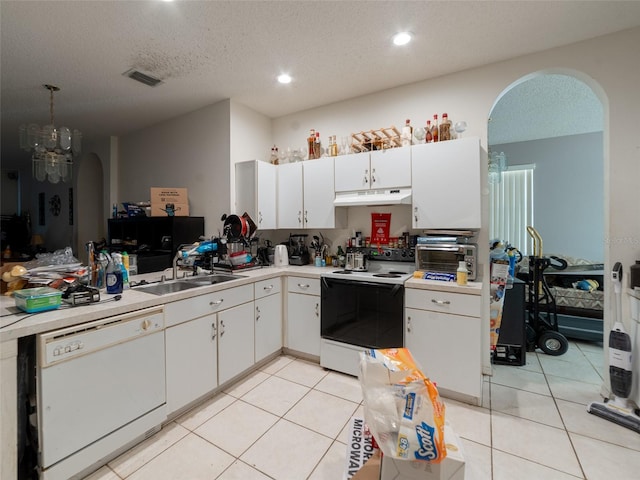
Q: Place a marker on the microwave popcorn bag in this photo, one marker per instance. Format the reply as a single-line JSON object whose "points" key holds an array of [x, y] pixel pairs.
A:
{"points": [[402, 406]]}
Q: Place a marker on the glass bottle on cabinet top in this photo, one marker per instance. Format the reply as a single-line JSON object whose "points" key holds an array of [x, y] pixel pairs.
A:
{"points": [[317, 147], [434, 128], [445, 128], [311, 140], [407, 133], [428, 136]]}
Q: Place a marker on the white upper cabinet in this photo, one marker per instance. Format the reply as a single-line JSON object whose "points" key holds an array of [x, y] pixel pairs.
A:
{"points": [[380, 169], [353, 172], [446, 186], [305, 194], [319, 193], [290, 199], [256, 192]]}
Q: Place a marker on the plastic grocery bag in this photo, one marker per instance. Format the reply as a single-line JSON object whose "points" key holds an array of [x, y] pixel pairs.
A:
{"points": [[402, 407]]}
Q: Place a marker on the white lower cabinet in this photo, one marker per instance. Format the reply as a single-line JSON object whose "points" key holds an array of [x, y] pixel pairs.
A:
{"points": [[268, 318], [445, 339], [208, 340], [191, 361], [235, 341], [303, 315]]}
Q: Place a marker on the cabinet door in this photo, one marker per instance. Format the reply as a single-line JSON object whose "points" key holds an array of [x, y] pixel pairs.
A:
{"points": [[256, 192], [445, 178], [268, 328], [448, 348], [352, 172], [319, 194], [190, 361], [266, 208], [235, 341], [391, 168], [290, 195], [303, 323]]}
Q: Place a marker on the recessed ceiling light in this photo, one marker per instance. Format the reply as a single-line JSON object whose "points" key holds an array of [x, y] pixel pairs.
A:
{"points": [[284, 78], [401, 38]]}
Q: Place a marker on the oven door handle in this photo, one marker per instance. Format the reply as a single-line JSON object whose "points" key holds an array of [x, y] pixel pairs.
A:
{"points": [[331, 282]]}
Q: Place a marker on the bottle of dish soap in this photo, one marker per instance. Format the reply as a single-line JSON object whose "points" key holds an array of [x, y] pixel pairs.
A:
{"points": [[461, 273], [114, 277]]}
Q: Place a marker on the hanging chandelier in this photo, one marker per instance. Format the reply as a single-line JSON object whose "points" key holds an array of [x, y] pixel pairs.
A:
{"points": [[52, 148]]}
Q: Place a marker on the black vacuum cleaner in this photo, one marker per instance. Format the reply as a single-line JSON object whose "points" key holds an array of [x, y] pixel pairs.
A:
{"points": [[619, 409]]}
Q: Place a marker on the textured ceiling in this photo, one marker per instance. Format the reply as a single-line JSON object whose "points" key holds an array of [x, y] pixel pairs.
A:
{"points": [[206, 51], [545, 106]]}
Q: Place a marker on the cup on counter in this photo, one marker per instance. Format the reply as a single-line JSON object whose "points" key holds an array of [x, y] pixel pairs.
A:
{"points": [[133, 264]]}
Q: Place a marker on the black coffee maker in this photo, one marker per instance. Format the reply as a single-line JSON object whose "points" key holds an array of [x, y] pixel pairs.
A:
{"points": [[298, 250]]}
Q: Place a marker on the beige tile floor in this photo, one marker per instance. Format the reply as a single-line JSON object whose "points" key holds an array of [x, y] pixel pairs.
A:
{"points": [[288, 421]]}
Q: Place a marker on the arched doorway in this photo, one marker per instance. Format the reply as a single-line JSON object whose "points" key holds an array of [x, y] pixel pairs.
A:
{"points": [[553, 123]]}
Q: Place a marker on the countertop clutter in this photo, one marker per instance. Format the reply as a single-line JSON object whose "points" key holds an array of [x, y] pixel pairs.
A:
{"points": [[131, 299]]}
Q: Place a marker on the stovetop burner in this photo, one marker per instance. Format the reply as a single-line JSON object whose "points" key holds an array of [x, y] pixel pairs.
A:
{"points": [[342, 272], [387, 275]]}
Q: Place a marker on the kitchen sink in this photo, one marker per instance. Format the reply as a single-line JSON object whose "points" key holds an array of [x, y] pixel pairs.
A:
{"points": [[212, 279], [186, 283], [164, 288]]}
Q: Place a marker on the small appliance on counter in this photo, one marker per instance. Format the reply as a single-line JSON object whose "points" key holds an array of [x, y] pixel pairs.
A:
{"points": [[443, 252], [298, 250], [356, 260], [281, 256]]}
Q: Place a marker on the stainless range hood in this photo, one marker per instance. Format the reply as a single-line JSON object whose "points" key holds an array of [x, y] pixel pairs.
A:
{"points": [[396, 196]]}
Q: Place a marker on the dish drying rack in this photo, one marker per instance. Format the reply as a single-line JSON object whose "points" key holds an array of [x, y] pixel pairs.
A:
{"points": [[378, 139]]}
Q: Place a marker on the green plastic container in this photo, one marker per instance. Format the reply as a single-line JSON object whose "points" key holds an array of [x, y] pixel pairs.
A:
{"points": [[40, 299]]}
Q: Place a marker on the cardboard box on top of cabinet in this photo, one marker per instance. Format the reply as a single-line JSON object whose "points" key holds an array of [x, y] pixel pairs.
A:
{"points": [[451, 467], [169, 202]]}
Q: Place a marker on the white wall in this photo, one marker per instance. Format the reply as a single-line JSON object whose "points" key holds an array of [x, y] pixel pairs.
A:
{"points": [[191, 151], [603, 63], [250, 134]]}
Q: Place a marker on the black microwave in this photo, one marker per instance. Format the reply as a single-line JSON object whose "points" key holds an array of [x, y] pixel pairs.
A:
{"points": [[445, 257]]}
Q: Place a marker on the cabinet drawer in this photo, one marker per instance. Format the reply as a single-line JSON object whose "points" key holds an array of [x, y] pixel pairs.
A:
{"points": [[310, 286], [268, 287], [190, 308], [445, 302]]}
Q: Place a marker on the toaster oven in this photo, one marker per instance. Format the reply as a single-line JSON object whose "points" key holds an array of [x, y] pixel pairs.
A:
{"points": [[445, 257]]}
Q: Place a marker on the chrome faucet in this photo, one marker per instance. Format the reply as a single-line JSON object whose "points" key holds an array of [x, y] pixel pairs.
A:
{"points": [[176, 257]]}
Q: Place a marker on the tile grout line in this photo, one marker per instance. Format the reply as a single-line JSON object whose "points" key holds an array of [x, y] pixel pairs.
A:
{"points": [[555, 402]]}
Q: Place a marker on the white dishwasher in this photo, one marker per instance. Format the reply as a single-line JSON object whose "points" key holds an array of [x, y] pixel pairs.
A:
{"points": [[101, 386]]}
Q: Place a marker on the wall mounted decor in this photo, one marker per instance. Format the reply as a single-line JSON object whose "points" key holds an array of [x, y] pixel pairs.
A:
{"points": [[55, 205]]}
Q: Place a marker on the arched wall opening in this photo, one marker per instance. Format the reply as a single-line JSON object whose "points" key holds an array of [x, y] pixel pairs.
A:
{"points": [[570, 165]]}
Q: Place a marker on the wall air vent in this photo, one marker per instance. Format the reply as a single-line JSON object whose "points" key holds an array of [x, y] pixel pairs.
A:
{"points": [[141, 77]]}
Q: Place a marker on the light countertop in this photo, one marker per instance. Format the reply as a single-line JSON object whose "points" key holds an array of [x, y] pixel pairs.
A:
{"points": [[132, 299], [471, 288]]}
